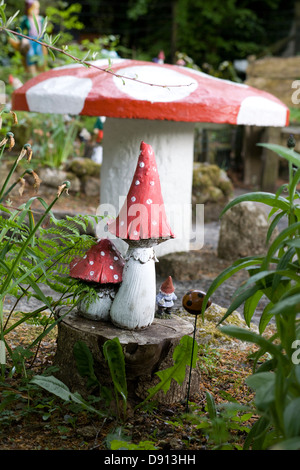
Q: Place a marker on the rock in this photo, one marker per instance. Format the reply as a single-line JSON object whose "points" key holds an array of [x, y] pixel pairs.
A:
{"points": [[212, 187], [243, 231], [186, 266], [53, 177], [90, 185], [209, 333], [84, 166]]}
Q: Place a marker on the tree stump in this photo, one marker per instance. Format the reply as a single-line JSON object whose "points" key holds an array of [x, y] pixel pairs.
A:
{"points": [[146, 351]]}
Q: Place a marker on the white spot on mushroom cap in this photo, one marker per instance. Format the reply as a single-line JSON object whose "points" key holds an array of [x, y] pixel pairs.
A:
{"points": [[157, 76], [261, 112], [70, 91]]}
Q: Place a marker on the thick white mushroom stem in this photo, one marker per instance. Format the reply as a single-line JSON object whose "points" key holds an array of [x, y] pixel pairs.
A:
{"points": [[134, 304]]}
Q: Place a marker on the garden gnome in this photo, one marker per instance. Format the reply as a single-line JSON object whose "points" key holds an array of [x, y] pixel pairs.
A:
{"points": [[165, 297], [143, 224], [32, 51]]}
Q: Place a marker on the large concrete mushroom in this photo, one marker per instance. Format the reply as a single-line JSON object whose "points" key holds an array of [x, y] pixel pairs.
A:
{"points": [[102, 266], [163, 114], [143, 224]]}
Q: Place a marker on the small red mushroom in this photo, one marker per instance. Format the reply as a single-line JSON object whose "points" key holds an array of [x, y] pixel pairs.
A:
{"points": [[102, 263]]}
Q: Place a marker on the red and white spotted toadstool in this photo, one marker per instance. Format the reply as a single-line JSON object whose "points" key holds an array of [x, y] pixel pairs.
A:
{"points": [[164, 114], [143, 224], [103, 265]]}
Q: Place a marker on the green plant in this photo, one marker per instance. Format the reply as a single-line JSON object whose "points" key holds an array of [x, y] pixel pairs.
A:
{"points": [[276, 276], [223, 425], [183, 352], [35, 249], [55, 140]]}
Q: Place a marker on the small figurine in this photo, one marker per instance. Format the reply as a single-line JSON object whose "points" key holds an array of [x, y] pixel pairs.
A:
{"points": [[165, 297], [33, 51]]}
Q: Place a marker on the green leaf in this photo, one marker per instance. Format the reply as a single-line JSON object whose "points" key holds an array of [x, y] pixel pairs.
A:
{"points": [[239, 300], [243, 263], [256, 435], [284, 152], [114, 355], [182, 358], [290, 303], [211, 406], [252, 337], [58, 388], [250, 306], [273, 224], [85, 363], [266, 198], [36, 24], [291, 418], [264, 385], [280, 240], [288, 444], [265, 318]]}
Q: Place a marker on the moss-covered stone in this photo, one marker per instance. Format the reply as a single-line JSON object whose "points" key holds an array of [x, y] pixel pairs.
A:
{"points": [[84, 167], [209, 333], [210, 183]]}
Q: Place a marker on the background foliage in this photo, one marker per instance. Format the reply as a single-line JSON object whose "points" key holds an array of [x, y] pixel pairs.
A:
{"points": [[209, 31]]}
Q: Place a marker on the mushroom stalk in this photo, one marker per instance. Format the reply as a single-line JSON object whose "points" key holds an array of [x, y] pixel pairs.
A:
{"points": [[134, 304], [174, 149]]}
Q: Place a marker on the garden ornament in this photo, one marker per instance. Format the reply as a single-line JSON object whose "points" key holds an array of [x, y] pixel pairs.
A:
{"points": [[102, 266], [163, 114], [166, 296], [142, 223], [192, 302], [32, 52]]}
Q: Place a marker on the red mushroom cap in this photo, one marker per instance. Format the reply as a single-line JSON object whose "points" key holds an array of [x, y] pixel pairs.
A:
{"points": [[102, 263], [143, 214], [182, 94]]}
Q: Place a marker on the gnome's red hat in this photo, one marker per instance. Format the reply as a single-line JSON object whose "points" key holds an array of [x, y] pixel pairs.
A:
{"points": [[167, 286], [143, 215]]}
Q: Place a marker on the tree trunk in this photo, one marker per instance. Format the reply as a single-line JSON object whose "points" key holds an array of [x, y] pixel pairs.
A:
{"points": [[146, 351]]}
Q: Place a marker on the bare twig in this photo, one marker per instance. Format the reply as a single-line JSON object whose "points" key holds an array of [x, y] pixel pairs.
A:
{"points": [[86, 63]]}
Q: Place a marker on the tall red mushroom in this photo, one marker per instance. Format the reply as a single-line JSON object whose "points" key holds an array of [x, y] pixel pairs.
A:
{"points": [[102, 264], [142, 223]]}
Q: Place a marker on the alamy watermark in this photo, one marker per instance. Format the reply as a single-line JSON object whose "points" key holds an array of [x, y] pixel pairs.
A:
{"points": [[296, 95], [179, 217], [296, 353], [2, 93]]}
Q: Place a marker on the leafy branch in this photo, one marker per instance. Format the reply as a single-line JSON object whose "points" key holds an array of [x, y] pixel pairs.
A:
{"points": [[49, 43]]}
